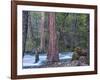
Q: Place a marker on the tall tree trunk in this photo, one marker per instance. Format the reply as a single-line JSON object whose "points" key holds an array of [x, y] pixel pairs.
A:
{"points": [[30, 27], [25, 27], [52, 55], [42, 37]]}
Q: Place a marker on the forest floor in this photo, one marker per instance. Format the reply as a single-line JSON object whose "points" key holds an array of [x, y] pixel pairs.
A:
{"points": [[62, 63]]}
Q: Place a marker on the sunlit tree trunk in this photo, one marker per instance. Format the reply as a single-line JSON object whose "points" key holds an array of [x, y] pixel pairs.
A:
{"points": [[30, 21], [52, 55], [42, 35]]}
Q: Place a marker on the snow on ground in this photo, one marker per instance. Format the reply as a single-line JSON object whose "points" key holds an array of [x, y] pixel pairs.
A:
{"points": [[29, 60], [65, 56]]}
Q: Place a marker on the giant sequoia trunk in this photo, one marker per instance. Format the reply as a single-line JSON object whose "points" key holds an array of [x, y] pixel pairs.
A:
{"points": [[52, 55], [42, 42], [25, 27]]}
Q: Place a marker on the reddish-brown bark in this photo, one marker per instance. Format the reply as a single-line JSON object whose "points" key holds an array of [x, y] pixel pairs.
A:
{"points": [[52, 55]]}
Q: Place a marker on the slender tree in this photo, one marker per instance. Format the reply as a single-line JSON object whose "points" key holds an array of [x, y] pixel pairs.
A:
{"points": [[25, 27], [42, 35], [52, 55]]}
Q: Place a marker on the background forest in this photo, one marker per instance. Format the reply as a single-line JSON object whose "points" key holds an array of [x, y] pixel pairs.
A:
{"points": [[71, 28], [54, 32]]}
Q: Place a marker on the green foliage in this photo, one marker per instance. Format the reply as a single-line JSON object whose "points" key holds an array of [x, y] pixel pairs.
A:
{"points": [[72, 30]]}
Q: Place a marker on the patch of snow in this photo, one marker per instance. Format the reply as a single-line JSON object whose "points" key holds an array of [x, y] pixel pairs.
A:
{"points": [[32, 64], [67, 55], [29, 60]]}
